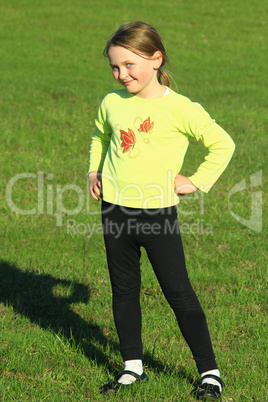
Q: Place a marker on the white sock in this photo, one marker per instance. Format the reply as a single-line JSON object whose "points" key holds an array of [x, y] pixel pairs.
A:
{"points": [[211, 380], [132, 365]]}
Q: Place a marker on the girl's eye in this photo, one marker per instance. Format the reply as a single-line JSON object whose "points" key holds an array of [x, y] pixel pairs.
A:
{"points": [[129, 64]]}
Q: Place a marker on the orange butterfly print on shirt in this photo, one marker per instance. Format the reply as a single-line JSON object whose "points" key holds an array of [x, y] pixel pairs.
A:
{"points": [[128, 140], [146, 126]]}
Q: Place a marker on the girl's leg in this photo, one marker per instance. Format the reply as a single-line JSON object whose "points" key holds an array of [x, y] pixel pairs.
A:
{"points": [[123, 255], [165, 252]]}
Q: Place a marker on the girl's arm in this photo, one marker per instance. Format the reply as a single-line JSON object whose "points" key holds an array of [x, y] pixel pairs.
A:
{"points": [[221, 148], [98, 150]]}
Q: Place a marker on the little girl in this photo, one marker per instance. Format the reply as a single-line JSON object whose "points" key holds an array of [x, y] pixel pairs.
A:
{"points": [[137, 150]]}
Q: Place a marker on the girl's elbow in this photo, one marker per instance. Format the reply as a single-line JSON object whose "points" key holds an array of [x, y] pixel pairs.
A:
{"points": [[229, 144]]}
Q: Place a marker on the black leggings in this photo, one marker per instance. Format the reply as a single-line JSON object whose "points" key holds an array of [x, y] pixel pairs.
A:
{"points": [[125, 231]]}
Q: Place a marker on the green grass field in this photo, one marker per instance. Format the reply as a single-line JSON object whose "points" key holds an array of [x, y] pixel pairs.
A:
{"points": [[57, 336]]}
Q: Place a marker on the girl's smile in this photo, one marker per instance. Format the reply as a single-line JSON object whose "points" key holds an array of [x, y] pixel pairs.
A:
{"points": [[136, 73], [126, 83]]}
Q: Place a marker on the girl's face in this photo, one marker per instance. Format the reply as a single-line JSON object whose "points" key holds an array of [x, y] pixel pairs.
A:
{"points": [[136, 73]]}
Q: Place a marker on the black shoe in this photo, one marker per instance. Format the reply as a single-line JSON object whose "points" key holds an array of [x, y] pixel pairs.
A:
{"points": [[114, 386], [209, 392]]}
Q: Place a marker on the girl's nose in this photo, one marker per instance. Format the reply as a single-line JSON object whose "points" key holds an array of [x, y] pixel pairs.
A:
{"points": [[122, 74]]}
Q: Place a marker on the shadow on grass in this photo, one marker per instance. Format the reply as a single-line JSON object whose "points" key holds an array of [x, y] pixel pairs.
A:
{"points": [[39, 298], [34, 296]]}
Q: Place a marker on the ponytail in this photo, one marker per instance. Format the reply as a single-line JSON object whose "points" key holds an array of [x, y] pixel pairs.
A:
{"points": [[163, 78]]}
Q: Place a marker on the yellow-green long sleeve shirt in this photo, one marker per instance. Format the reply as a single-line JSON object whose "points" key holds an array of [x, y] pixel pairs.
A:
{"points": [[139, 146]]}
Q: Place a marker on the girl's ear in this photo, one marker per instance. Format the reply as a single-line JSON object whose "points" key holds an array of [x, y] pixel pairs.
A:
{"points": [[158, 59]]}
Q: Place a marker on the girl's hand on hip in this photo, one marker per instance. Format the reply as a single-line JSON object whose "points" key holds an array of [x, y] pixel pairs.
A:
{"points": [[95, 186], [183, 185]]}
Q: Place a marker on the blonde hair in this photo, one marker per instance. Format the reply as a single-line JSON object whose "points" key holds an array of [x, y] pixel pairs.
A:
{"points": [[142, 39]]}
